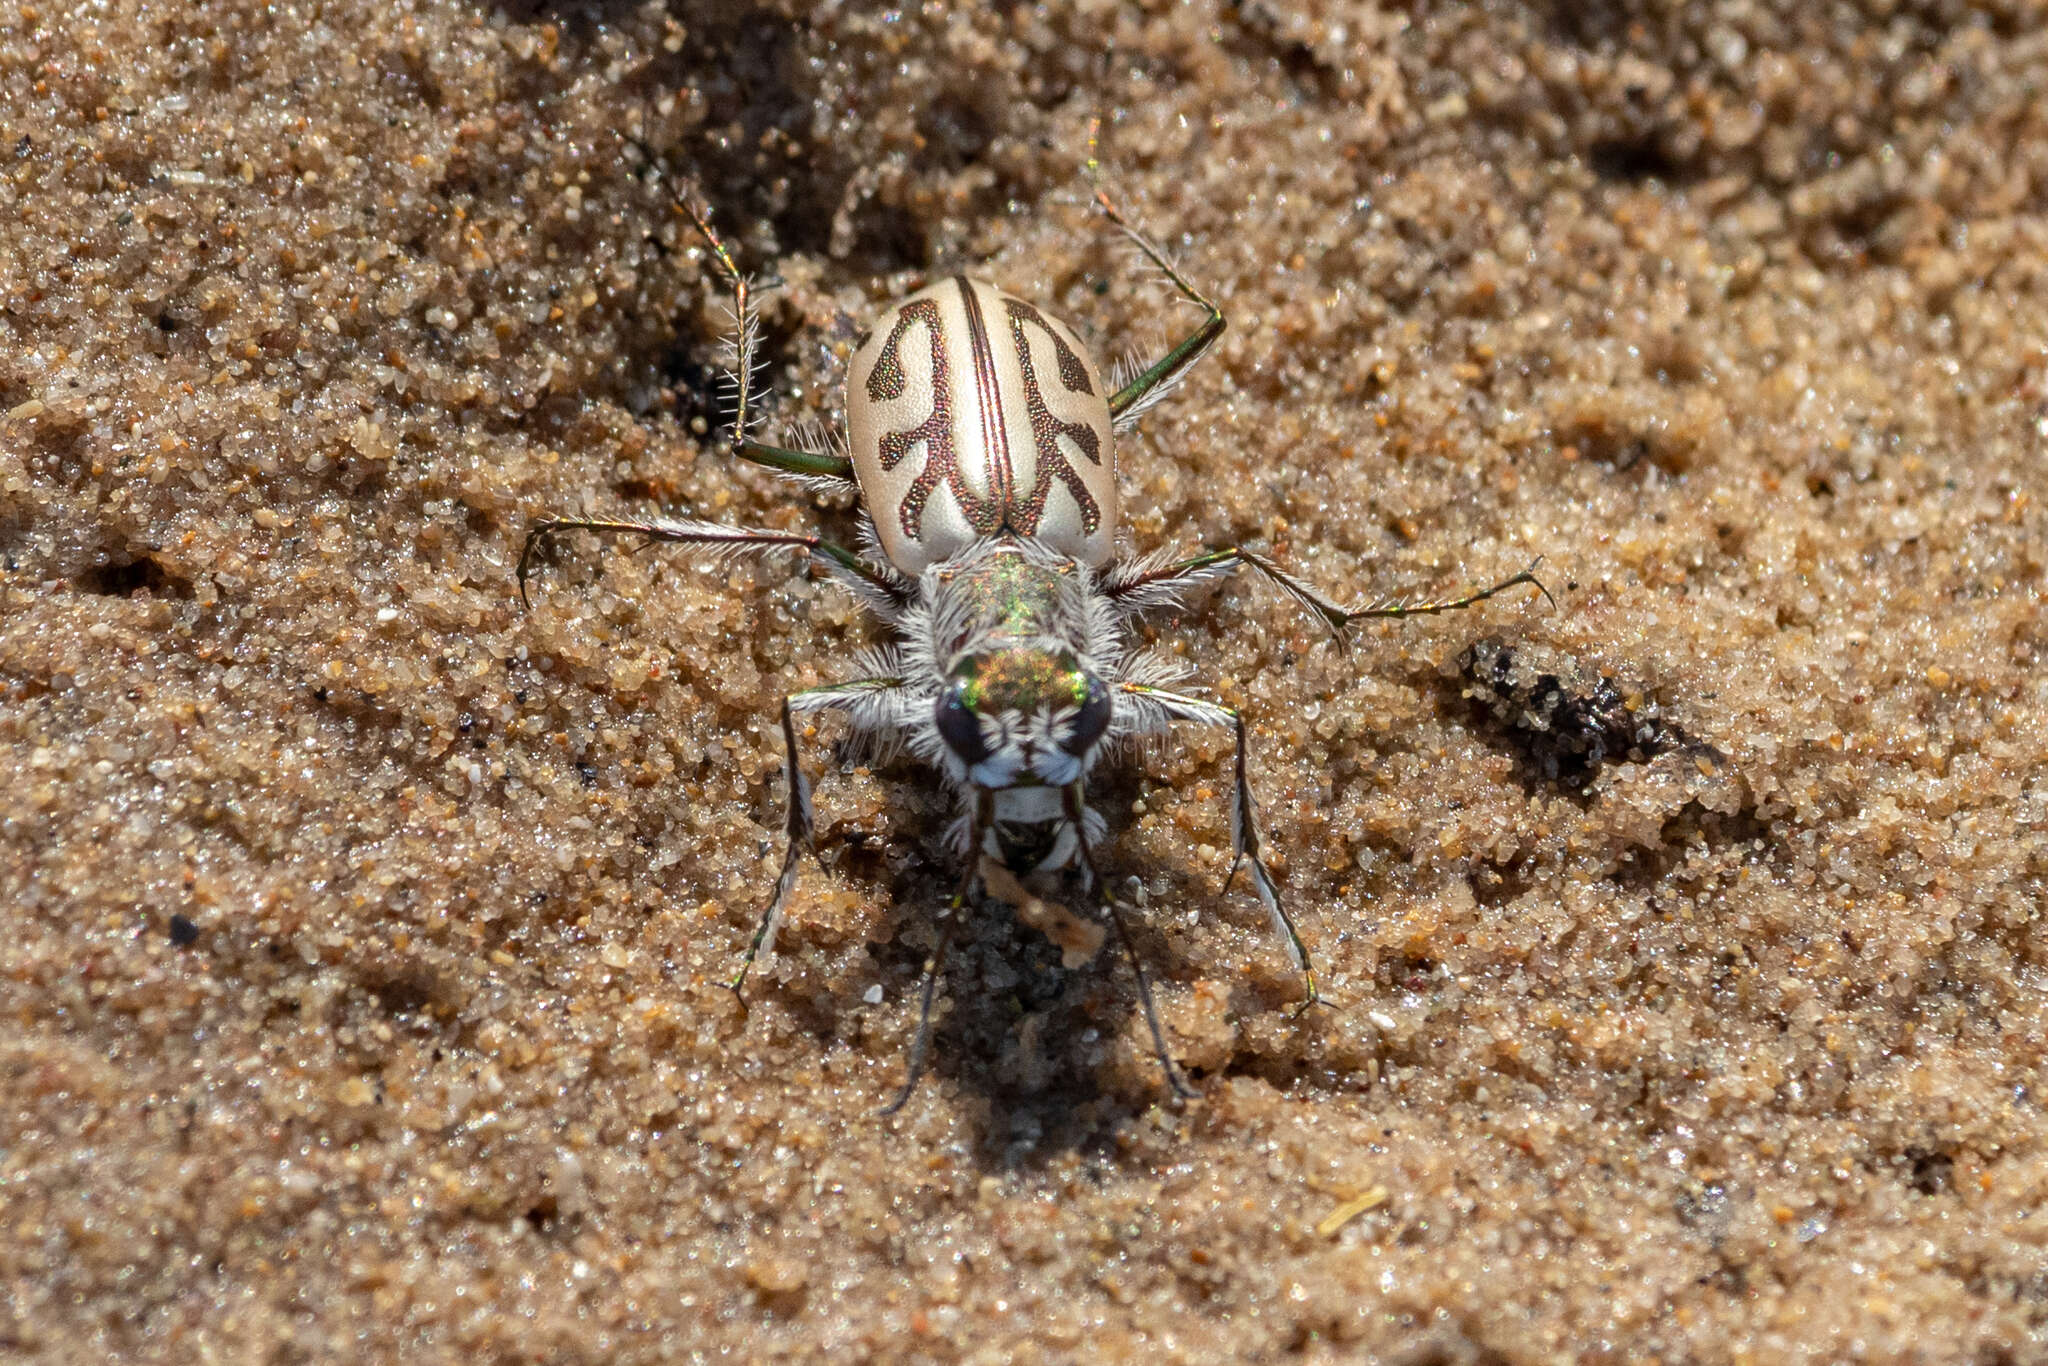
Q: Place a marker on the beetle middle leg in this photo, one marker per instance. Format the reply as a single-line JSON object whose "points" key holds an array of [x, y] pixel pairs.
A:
{"points": [[1141, 587], [880, 587], [1158, 379]]}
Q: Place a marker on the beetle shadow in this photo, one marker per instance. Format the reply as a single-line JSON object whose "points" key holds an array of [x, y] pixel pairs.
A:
{"points": [[1022, 1037], [1023, 1040]]}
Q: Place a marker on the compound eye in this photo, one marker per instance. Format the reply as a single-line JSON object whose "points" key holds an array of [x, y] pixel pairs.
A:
{"points": [[1092, 721], [959, 727]]}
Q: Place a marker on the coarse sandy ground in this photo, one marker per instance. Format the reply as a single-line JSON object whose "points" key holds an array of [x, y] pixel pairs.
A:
{"points": [[363, 931]]}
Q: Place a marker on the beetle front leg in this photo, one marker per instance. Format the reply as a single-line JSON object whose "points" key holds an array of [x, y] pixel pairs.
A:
{"points": [[796, 833], [884, 589], [797, 821], [1245, 842], [1140, 588], [1158, 379]]}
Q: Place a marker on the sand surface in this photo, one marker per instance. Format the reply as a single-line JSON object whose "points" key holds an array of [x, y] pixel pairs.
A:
{"points": [[363, 932]]}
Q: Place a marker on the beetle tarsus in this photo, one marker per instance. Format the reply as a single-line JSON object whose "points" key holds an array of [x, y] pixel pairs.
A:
{"points": [[809, 466], [1155, 381], [1145, 588]]}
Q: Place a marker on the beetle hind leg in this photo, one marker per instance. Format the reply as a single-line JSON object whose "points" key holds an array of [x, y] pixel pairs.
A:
{"points": [[1155, 381], [827, 469]]}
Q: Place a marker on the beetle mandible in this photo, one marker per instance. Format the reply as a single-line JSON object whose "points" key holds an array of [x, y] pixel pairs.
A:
{"points": [[980, 447]]}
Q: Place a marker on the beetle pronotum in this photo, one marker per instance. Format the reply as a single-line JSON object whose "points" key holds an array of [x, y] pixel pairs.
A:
{"points": [[980, 444]]}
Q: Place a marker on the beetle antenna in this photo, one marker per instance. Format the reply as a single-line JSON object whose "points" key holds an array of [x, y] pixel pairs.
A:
{"points": [[920, 1046]]}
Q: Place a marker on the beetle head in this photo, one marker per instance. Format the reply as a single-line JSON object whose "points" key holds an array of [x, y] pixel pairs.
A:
{"points": [[1022, 714]]}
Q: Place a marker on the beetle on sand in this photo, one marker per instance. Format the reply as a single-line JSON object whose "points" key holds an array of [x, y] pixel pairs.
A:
{"points": [[979, 440]]}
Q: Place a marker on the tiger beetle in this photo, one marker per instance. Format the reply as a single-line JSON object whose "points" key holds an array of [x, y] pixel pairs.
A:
{"points": [[979, 444]]}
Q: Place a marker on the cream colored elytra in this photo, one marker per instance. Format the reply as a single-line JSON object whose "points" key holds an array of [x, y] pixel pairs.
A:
{"points": [[972, 413]]}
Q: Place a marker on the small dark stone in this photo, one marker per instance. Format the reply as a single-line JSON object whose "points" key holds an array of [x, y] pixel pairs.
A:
{"points": [[183, 931], [1932, 1171]]}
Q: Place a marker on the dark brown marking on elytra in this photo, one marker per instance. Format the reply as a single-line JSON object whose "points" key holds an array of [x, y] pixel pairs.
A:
{"points": [[886, 382], [1046, 429]]}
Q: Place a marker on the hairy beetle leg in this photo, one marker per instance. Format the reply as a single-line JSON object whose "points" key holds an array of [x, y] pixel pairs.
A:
{"points": [[1146, 587], [1158, 379], [1245, 840], [883, 588], [819, 466]]}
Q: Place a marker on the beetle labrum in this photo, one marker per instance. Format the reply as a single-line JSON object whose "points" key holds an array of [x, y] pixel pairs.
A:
{"points": [[979, 442]]}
